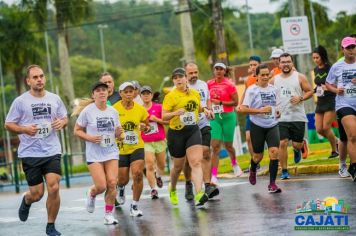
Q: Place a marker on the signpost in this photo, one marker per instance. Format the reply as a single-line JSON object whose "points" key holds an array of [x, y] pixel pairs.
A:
{"points": [[295, 34]]}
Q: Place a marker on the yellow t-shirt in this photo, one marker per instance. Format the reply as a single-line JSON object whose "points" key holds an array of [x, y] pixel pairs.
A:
{"points": [[190, 101], [130, 122]]}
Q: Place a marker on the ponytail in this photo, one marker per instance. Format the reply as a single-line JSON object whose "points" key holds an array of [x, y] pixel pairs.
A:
{"points": [[82, 104]]}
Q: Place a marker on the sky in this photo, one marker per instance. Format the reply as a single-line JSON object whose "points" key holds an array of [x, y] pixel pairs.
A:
{"points": [[259, 6]]}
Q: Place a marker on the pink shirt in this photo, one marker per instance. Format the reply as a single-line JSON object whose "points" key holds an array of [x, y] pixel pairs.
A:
{"points": [[222, 91], [157, 132]]}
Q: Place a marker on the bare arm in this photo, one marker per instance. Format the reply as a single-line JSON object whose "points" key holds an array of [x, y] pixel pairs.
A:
{"points": [[58, 124], [80, 132], [168, 115], [14, 127], [158, 120], [252, 111], [306, 87]]}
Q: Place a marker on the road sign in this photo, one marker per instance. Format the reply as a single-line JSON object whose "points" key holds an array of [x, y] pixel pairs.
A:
{"points": [[295, 34]]}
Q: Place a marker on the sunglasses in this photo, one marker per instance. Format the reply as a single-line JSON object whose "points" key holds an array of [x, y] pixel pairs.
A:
{"points": [[351, 47]]}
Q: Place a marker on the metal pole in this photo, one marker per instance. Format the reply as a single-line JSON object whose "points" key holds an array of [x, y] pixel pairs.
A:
{"points": [[312, 13], [101, 27], [49, 64], [249, 28], [186, 30]]}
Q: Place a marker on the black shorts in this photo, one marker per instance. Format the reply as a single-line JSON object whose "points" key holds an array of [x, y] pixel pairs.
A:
{"points": [[260, 135], [292, 131], [179, 140], [205, 136], [127, 159], [345, 111], [325, 104], [36, 168]]}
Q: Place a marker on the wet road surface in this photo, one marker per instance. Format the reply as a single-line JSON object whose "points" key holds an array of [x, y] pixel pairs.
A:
{"points": [[240, 209]]}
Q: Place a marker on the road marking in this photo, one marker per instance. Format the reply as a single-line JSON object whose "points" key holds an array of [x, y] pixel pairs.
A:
{"points": [[312, 179], [12, 219]]}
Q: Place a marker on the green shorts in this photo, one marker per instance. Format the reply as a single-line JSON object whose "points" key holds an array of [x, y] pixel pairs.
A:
{"points": [[156, 147], [223, 126]]}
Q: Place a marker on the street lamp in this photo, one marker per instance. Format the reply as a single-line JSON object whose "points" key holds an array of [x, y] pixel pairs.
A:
{"points": [[101, 27]]}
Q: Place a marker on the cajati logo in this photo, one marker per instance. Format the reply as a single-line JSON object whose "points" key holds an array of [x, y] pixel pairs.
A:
{"points": [[327, 214]]}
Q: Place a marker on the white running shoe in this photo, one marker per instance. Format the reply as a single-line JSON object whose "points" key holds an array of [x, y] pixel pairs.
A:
{"points": [[109, 219], [343, 172], [134, 211], [214, 180], [90, 202], [237, 170], [121, 195]]}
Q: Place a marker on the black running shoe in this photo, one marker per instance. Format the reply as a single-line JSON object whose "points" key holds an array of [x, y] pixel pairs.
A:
{"points": [[211, 191], [51, 230], [24, 210], [189, 195], [333, 155], [352, 171]]}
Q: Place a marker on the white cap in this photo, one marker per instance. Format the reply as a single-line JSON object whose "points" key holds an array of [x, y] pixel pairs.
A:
{"points": [[125, 85], [276, 53], [220, 64]]}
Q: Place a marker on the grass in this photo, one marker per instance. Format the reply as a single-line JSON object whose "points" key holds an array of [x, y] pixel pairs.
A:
{"points": [[318, 155]]}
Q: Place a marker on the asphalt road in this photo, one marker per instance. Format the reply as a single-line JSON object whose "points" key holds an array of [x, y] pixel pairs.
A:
{"points": [[240, 209]]}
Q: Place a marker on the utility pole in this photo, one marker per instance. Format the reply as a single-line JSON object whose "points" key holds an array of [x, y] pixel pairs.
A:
{"points": [[49, 64], [101, 34], [312, 13], [220, 46], [186, 30], [249, 28], [296, 8]]}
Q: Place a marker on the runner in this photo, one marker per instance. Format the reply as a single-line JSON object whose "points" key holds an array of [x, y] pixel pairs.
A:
{"points": [[325, 107], [137, 97], [133, 117], [155, 142], [114, 96], [261, 102], [224, 99], [293, 89], [35, 116], [342, 81], [195, 83], [98, 125], [181, 107], [276, 53]]}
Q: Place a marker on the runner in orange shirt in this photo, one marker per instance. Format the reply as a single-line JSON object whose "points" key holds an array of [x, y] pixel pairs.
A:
{"points": [[276, 53]]}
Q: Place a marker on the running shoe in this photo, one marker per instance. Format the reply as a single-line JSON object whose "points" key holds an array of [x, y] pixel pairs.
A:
{"points": [[154, 194], [109, 219], [90, 202], [343, 172], [333, 155], [201, 198], [273, 188], [285, 174], [305, 149], [173, 197], [121, 197], [297, 155], [352, 171], [134, 211], [51, 230], [24, 209], [189, 195], [237, 170], [211, 190], [214, 180], [159, 181], [252, 177]]}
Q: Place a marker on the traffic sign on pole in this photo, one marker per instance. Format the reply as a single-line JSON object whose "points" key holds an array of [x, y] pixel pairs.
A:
{"points": [[295, 34]]}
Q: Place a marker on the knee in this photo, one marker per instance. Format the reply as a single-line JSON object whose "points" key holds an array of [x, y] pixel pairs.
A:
{"points": [[215, 148], [229, 148], [320, 130], [111, 184], [195, 164], [283, 144], [137, 176], [53, 189], [352, 138], [206, 155], [149, 167], [100, 189], [273, 153]]}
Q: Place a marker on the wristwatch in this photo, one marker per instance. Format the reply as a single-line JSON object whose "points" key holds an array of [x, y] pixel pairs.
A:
{"points": [[301, 98], [220, 103]]}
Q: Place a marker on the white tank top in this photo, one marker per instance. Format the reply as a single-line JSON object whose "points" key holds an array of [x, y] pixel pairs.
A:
{"points": [[288, 87]]}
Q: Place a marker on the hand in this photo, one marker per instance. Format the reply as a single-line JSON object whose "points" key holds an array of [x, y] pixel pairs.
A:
{"points": [[340, 91], [57, 124], [154, 118], [295, 100], [215, 101], [30, 130], [119, 133], [180, 111], [142, 126], [94, 138], [209, 113], [323, 86], [147, 129], [266, 109]]}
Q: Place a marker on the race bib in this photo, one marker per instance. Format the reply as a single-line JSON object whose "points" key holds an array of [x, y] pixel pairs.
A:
{"points": [[131, 137], [107, 140], [270, 115], [217, 108], [286, 93], [43, 130], [188, 118], [319, 91], [350, 91], [154, 128]]}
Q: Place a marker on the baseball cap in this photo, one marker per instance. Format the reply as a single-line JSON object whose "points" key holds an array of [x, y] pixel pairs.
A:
{"points": [[136, 84], [124, 85], [178, 71], [276, 53], [347, 41], [220, 64], [97, 85], [146, 88]]}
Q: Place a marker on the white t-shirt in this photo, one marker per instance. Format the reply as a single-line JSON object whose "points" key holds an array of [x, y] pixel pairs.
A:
{"points": [[258, 97], [341, 75], [102, 123], [27, 110], [203, 90]]}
